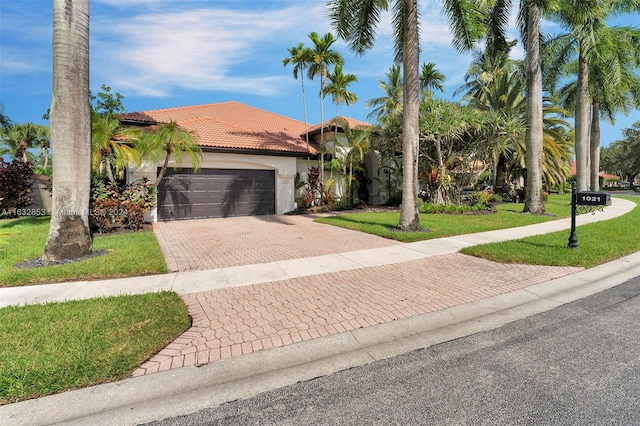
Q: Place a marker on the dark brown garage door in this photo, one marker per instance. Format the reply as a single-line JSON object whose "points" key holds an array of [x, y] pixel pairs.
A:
{"points": [[183, 194]]}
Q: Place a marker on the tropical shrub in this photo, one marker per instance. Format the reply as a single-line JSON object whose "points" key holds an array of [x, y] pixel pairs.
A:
{"points": [[15, 187], [122, 206]]}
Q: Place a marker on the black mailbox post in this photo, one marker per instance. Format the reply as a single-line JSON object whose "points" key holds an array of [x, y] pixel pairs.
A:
{"points": [[584, 198]]}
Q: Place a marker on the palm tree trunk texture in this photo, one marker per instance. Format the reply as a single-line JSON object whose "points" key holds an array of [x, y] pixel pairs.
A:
{"points": [[582, 113], [594, 150], [533, 202], [409, 215], [69, 235]]}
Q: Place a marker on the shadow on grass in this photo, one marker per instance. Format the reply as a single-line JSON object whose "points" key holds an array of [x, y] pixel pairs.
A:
{"points": [[23, 221], [345, 218]]}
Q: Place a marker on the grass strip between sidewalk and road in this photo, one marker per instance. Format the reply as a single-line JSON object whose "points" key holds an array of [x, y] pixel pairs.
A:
{"points": [[51, 348], [598, 243], [509, 215], [128, 254]]}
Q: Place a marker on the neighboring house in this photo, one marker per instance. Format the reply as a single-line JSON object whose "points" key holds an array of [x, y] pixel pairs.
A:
{"points": [[250, 159], [606, 179]]}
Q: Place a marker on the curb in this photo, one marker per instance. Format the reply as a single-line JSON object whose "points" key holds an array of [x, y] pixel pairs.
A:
{"points": [[189, 389]]}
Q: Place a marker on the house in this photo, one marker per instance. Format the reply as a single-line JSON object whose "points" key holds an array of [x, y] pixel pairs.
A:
{"points": [[606, 179], [250, 159]]}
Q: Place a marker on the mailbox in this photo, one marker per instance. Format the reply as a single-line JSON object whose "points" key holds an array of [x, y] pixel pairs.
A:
{"points": [[588, 198]]}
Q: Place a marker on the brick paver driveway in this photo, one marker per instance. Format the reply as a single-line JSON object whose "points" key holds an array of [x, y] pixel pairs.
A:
{"points": [[193, 245]]}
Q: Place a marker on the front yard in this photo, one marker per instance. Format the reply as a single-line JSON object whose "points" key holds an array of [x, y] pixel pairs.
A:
{"points": [[128, 254]]}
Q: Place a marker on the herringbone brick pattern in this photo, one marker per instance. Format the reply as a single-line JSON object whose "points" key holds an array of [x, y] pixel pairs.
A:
{"points": [[197, 245], [240, 320]]}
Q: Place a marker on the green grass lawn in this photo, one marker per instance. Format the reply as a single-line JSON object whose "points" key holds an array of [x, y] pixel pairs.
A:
{"points": [[443, 225], [598, 243], [46, 349], [129, 254]]}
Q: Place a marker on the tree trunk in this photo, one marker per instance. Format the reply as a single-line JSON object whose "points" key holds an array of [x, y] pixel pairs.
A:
{"points": [[306, 125], [69, 235], [533, 202], [163, 170], [582, 113], [409, 215], [322, 77], [595, 147]]}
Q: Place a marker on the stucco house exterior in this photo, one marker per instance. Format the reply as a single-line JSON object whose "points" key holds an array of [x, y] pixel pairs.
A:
{"points": [[250, 159]]}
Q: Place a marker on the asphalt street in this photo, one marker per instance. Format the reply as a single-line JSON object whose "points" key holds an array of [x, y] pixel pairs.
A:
{"points": [[577, 364]]}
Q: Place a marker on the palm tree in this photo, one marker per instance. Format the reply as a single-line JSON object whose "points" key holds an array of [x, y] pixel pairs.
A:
{"points": [[391, 102], [430, 79], [585, 23], [359, 142], [5, 121], [19, 138], [69, 235], [613, 84], [170, 140], [112, 146], [529, 16], [338, 88], [322, 56], [356, 22], [299, 58]]}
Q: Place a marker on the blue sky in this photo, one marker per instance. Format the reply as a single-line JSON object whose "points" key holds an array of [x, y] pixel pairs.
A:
{"points": [[162, 53]]}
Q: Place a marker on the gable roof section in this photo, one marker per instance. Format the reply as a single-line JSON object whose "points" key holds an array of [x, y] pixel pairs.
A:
{"points": [[232, 126], [329, 124]]}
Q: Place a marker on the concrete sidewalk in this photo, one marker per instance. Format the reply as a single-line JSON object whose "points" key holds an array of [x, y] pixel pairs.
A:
{"points": [[316, 316]]}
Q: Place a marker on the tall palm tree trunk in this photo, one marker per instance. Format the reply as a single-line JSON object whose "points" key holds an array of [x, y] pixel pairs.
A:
{"points": [[533, 202], [69, 235], [409, 215], [582, 113], [595, 146], [306, 121], [322, 83]]}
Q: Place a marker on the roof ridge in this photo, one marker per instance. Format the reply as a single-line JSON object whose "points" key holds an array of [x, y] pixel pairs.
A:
{"points": [[183, 107]]}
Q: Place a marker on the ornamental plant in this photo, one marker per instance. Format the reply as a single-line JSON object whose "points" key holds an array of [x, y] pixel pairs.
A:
{"points": [[120, 206], [16, 178]]}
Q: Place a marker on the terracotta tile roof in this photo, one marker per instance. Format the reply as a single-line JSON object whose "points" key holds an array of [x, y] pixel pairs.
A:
{"points": [[353, 124], [232, 125], [603, 175]]}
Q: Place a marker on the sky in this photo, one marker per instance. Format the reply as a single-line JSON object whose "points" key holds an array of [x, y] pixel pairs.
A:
{"points": [[165, 53]]}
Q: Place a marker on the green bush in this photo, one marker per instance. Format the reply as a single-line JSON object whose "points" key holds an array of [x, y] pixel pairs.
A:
{"points": [[430, 208], [481, 200]]}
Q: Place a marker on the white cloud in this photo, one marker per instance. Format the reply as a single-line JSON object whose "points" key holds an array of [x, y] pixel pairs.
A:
{"points": [[156, 53]]}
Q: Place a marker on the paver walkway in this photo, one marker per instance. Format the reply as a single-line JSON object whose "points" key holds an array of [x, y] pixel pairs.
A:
{"points": [[234, 321], [198, 245]]}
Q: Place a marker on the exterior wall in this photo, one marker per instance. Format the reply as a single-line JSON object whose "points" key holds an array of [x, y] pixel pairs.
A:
{"points": [[377, 194], [285, 170], [42, 195]]}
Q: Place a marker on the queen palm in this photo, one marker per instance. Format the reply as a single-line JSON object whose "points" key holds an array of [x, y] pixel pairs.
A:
{"points": [[322, 56], [69, 235], [299, 57], [112, 146], [356, 22]]}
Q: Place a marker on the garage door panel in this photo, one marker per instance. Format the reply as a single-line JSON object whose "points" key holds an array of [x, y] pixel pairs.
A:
{"points": [[183, 194]]}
